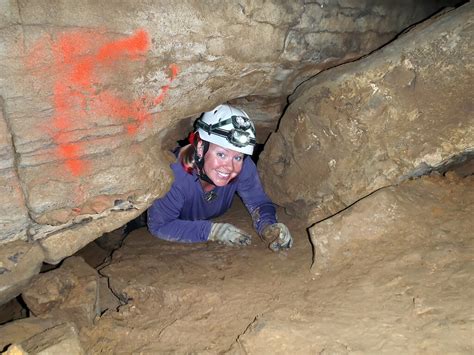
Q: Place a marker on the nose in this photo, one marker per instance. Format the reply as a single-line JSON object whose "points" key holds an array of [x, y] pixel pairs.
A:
{"points": [[228, 165]]}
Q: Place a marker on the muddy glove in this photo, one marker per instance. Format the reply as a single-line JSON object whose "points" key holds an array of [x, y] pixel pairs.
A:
{"points": [[226, 233], [277, 236]]}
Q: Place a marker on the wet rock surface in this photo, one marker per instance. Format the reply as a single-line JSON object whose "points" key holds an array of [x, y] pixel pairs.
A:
{"points": [[400, 112]]}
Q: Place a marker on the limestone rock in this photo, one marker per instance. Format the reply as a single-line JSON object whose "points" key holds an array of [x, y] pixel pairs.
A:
{"points": [[400, 112], [267, 336], [12, 310], [15, 349], [61, 339], [107, 300], [19, 262], [13, 212], [90, 91], [436, 204], [70, 292], [20, 330]]}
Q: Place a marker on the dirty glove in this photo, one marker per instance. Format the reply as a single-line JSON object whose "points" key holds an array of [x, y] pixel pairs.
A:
{"points": [[278, 236], [226, 233]]}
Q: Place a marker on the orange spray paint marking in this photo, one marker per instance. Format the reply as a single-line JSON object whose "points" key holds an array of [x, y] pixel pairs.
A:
{"points": [[80, 61], [133, 46]]}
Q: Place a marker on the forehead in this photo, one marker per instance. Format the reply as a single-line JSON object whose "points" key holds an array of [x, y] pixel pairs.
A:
{"points": [[214, 148]]}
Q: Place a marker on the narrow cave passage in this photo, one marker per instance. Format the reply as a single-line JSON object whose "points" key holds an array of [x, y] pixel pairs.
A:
{"points": [[392, 277], [371, 163]]}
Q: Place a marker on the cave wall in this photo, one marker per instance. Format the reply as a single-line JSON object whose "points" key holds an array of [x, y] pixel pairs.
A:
{"points": [[89, 91], [399, 113]]}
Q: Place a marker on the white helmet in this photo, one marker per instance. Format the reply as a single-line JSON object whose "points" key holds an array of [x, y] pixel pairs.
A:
{"points": [[228, 127]]}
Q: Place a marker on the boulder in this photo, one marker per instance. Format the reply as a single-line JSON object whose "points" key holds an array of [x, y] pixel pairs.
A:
{"points": [[69, 293], [437, 205], [20, 330], [20, 261], [61, 339], [398, 113]]}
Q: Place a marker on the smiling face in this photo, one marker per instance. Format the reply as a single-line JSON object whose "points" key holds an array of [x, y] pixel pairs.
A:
{"points": [[221, 164]]}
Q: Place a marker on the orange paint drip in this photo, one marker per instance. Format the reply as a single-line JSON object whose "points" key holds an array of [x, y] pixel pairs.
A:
{"points": [[82, 73], [76, 167], [133, 46], [80, 61], [174, 71]]}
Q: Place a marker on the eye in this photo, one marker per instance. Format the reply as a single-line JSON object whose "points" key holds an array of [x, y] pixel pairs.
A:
{"points": [[220, 155], [239, 158]]}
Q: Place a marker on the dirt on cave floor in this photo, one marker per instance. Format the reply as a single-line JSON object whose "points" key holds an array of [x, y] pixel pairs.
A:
{"points": [[208, 298]]}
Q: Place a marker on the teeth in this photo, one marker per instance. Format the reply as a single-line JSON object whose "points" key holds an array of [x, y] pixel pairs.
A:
{"points": [[224, 175]]}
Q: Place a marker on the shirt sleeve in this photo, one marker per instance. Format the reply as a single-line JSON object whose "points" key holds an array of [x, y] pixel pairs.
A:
{"points": [[164, 222], [255, 199]]}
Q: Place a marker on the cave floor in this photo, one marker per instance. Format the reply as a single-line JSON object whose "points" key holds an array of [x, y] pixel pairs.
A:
{"points": [[208, 298]]}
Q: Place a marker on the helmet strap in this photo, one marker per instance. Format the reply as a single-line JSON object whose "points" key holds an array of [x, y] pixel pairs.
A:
{"points": [[199, 160]]}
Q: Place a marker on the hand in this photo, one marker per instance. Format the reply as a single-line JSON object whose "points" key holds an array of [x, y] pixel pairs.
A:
{"points": [[226, 233], [278, 236]]}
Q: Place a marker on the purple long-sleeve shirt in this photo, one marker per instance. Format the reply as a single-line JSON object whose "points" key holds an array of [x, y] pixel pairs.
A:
{"points": [[184, 215]]}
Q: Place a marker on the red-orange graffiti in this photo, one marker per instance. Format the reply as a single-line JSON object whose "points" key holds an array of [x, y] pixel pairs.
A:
{"points": [[79, 62]]}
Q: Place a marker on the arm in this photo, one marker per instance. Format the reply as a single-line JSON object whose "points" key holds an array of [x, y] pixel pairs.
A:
{"points": [[256, 201], [164, 222]]}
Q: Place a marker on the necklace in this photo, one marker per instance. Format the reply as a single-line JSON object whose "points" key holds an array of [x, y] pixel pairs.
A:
{"points": [[210, 196]]}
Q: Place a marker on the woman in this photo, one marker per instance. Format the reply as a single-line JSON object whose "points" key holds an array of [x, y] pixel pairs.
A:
{"points": [[207, 174]]}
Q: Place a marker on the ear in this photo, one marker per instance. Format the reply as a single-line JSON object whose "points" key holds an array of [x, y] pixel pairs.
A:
{"points": [[199, 148]]}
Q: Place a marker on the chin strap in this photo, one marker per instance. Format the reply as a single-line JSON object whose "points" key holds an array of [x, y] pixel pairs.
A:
{"points": [[199, 161]]}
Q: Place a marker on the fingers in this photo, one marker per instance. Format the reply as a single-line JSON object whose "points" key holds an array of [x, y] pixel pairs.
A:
{"points": [[233, 236], [284, 240], [238, 237]]}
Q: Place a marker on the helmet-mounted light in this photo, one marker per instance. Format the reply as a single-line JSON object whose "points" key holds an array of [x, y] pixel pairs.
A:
{"points": [[238, 136]]}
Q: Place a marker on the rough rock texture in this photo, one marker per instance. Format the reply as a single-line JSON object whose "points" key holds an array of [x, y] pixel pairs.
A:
{"points": [[15, 349], [20, 330], [60, 339], [70, 293], [393, 274], [397, 113], [428, 208], [13, 211], [12, 310], [89, 90], [19, 262], [395, 293]]}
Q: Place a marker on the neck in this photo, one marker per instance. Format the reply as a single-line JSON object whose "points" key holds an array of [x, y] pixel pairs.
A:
{"points": [[206, 186]]}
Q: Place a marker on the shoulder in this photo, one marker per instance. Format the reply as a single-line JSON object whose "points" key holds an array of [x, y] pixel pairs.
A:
{"points": [[249, 169], [181, 177], [178, 169], [249, 165]]}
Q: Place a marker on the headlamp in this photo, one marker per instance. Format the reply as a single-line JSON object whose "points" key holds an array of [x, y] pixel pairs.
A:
{"points": [[239, 136], [241, 122]]}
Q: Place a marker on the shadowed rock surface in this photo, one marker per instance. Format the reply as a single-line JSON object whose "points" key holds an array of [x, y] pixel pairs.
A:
{"points": [[70, 292]]}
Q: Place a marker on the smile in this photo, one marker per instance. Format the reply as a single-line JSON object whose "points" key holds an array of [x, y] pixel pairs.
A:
{"points": [[222, 175]]}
